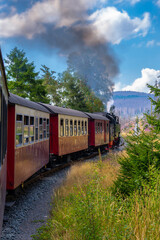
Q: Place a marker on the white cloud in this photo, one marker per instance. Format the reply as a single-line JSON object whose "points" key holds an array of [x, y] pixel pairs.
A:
{"points": [[132, 2], [56, 12], [140, 84], [150, 43], [114, 26], [117, 86], [108, 24], [158, 3]]}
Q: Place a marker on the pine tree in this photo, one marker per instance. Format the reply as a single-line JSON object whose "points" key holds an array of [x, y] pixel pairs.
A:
{"points": [[142, 160], [51, 84], [154, 118], [77, 95], [23, 80]]}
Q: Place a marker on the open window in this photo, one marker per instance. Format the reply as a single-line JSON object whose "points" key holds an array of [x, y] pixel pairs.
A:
{"points": [[75, 127], [26, 129], [62, 127], [71, 128]]}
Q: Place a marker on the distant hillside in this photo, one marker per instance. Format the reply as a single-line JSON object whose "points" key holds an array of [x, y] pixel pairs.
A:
{"points": [[129, 103]]}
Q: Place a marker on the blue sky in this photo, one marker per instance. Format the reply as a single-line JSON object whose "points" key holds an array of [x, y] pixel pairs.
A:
{"points": [[131, 29]]}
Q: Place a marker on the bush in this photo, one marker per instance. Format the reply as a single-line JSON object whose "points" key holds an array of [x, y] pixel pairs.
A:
{"points": [[142, 156]]}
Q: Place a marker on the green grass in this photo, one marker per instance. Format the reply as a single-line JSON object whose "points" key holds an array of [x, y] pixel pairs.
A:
{"points": [[85, 208]]}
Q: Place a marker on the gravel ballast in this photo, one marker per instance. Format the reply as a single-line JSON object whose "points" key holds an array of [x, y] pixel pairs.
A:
{"points": [[31, 208]]}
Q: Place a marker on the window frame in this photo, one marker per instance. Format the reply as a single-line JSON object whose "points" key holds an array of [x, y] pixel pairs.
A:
{"points": [[71, 127], [62, 127], [19, 134], [25, 125], [40, 129], [85, 127], [48, 122], [82, 127], [79, 128], [44, 128], [31, 137], [67, 127], [36, 127], [75, 127]]}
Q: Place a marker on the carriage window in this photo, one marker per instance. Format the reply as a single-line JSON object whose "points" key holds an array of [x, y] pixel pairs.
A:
{"points": [[36, 128], [71, 128], [40, 128], [26, 129], [44, 128], [47, 128], [82, 128], [19, 130], [107, 128], [86, 127], [66, 128], [96, 127], [61, 127], [100, 127], [75, 128], [79, 128], [31, 137]]}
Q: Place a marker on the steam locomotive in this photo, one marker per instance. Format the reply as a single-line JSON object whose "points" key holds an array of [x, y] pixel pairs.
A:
{"points": [[32, 134]]}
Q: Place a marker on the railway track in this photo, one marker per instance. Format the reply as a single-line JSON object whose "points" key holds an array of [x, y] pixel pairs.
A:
{"points": [[44, 172]]}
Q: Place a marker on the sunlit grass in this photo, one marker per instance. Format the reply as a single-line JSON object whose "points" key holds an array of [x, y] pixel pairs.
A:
{"points": [[85, 207]]}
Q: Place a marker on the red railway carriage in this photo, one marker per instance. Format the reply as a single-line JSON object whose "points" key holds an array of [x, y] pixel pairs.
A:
{"points": [[3, 138], [28, 139], [68, 130], [98, 128]]}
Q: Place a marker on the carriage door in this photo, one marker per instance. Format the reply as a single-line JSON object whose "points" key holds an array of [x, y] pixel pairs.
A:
{"points": [[104, 131]]}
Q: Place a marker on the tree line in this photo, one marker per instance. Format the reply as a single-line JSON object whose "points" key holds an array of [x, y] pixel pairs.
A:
{"points": [[66, 89]]}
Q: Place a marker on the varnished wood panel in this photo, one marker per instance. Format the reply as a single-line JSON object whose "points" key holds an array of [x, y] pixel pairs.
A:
{"points": [[72, 144]]}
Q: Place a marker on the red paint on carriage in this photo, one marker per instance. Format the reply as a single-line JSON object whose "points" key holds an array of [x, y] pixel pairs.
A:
{"points": [[10, 146], [54, 146], [28, 140], [98, 130]]}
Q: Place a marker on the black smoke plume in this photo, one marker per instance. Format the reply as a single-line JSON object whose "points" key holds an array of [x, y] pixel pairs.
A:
{"points": [[91, 59]]}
